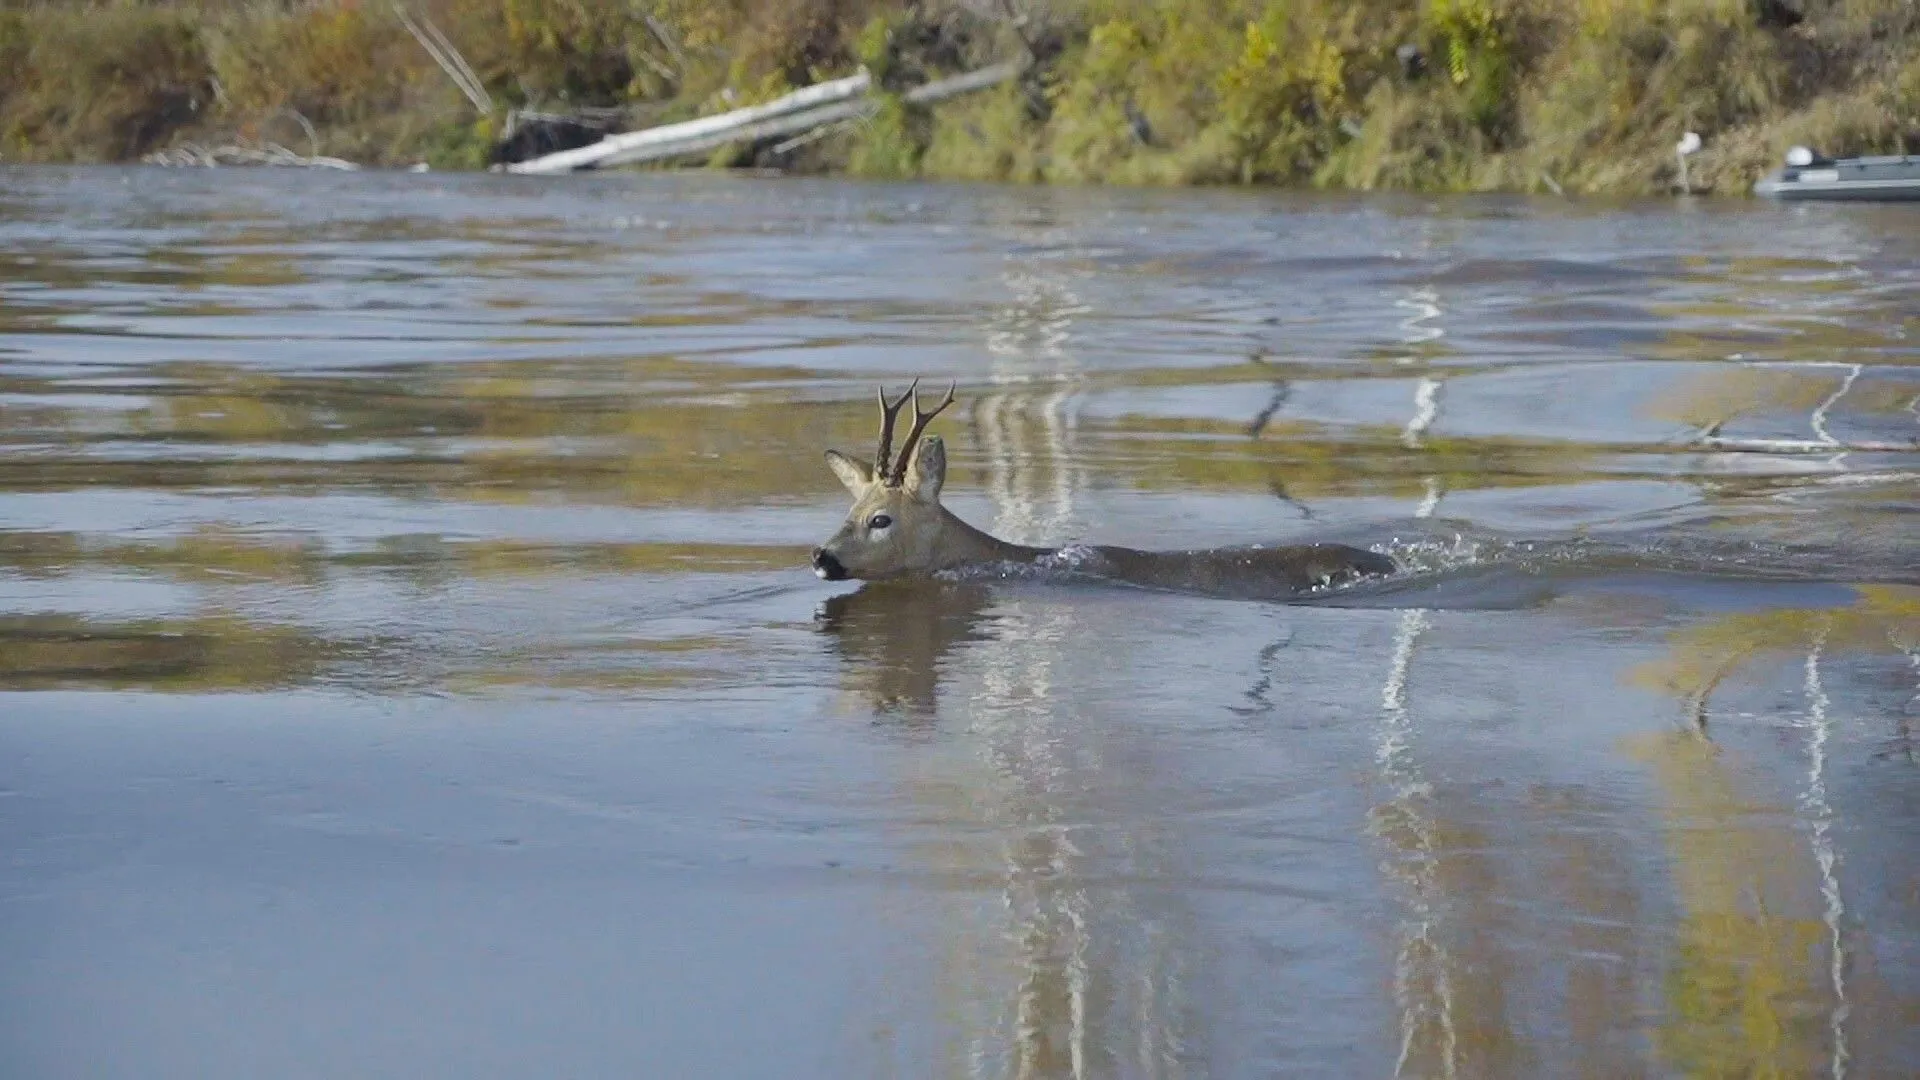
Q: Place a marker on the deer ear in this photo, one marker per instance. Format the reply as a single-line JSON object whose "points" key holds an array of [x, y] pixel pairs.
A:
{"points": [[928, 471], [856, 474]]}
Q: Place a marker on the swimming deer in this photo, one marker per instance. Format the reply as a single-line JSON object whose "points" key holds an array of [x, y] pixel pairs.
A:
{"points": [[897, 528]]}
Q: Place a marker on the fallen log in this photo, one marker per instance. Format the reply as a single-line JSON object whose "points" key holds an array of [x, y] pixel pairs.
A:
{"points": [[753, 132], [978, 79], [705, 128], [803, 110]]}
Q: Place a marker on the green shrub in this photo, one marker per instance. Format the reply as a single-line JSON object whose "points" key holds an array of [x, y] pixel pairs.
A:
{"points": [[1588, 94], [1279, 107], [995, 135], [891, 143], [456, 144], [335, 63], [99, 83], [1475, 40]]}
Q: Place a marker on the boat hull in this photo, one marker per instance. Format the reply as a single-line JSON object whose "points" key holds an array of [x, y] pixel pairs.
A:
{"points": [[1875, 179]]}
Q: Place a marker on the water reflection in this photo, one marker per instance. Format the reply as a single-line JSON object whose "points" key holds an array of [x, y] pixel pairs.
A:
{"points": [[894, 638], [1702, 655], [528, 479], [1762, 977], [1745, 985], [1083, 968], [1080, 968], [201, 655]]}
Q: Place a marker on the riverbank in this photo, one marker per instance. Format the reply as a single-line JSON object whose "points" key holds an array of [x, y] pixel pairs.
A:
{"points": [[1583, 97]]}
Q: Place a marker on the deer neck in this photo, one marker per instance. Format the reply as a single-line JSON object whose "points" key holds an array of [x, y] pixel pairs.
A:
{"points": [[962, 544]]}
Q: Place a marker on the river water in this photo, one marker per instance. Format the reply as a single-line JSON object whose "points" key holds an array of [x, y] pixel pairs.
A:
{"points": [[408, 665]]}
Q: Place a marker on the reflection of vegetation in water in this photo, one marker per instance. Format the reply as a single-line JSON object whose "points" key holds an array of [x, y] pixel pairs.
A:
{"points": [[1760, 983], [1883, 618], [1767, 342], [1591, 878], [629, 664], [238, 573], [1735, 390], [217, 650], [659, 430], [176, 268], [196, 655], [1756, 983], [895, 637], [1052, 965], [511, 432], [1452, 972], [644, 430], [1745, 985], [1800, 395], [1313, 461], [216, 556]]}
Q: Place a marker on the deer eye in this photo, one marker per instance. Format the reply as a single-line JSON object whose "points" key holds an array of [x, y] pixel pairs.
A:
{"points": [[879, 521]]}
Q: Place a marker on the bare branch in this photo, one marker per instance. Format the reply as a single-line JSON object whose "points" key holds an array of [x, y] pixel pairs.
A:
{"points": [[447, 57]]}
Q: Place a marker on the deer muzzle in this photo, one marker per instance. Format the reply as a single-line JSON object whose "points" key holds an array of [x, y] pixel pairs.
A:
{"points": [[827, 567]]}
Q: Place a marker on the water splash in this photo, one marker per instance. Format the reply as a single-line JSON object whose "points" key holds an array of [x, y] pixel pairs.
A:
{"points": [[1074, 562], [1434, 555], [1073, 557]]}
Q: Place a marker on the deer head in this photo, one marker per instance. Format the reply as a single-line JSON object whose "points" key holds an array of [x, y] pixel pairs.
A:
{"points": [[896, 526]]}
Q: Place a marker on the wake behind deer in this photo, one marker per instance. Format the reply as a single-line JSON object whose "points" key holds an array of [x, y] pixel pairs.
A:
{"points": [[898, 528]]}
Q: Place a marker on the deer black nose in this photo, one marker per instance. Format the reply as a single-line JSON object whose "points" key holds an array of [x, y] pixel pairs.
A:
{"points": [[828, 567]]}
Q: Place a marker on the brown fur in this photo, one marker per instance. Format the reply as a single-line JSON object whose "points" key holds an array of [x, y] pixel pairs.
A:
{"points": [[920, 537]]}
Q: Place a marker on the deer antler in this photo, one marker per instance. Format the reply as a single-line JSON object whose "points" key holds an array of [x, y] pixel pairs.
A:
{"points": [[889, 411], [920, 421]]}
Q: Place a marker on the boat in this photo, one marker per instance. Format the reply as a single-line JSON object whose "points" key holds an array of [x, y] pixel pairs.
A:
{"points": [[1808, 175]]}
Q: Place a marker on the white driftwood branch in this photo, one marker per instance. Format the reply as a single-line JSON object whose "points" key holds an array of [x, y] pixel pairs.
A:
{"points": [[665, 37], [828, 115], [691, 131], [306, 125], [781, 149], [657, 67], [770, 128], [447, 57], [194, 155], [478, 88], [941, 89], [803, 110]]}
